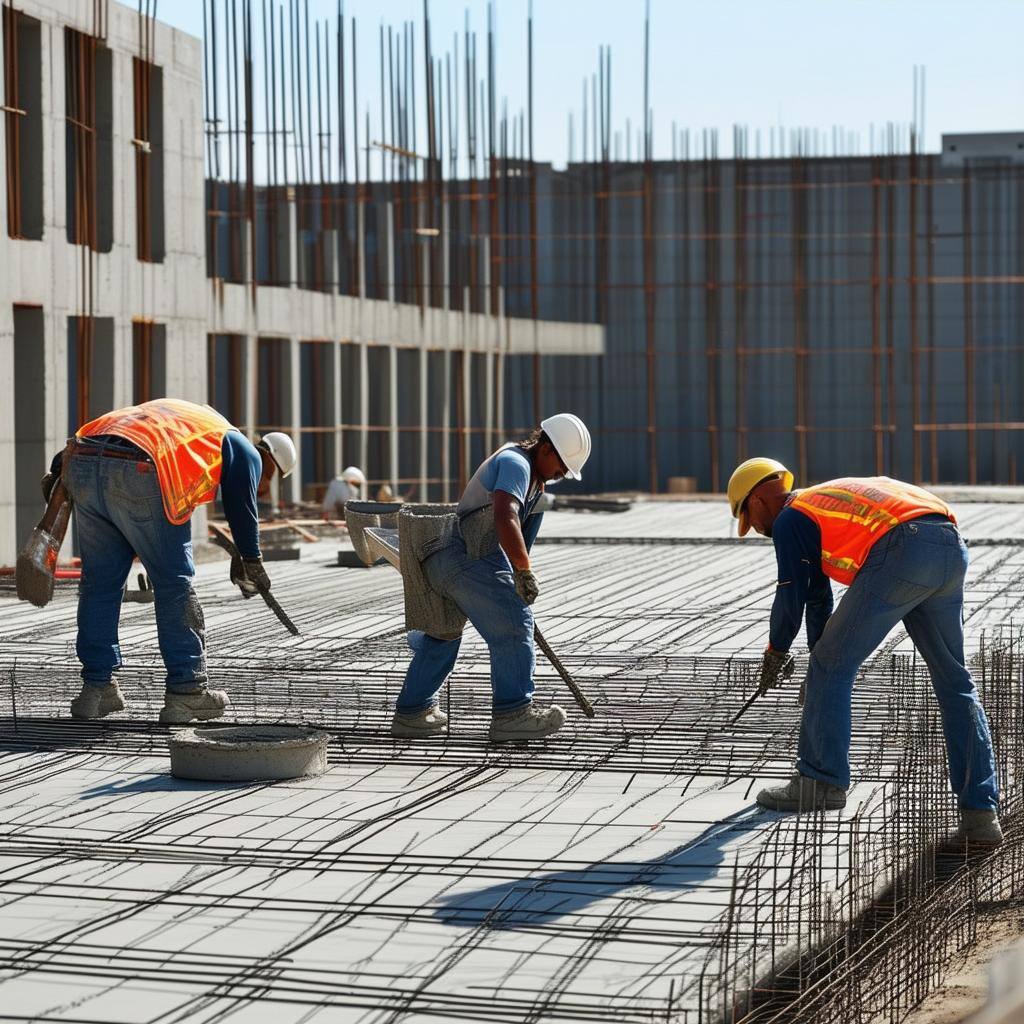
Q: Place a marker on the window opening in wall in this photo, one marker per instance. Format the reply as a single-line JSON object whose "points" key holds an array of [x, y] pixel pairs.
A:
{"points": [[30, 454], [90, 368], [274, 394], [317, 426], [351, 405], [149, 160], [225, 376], [89, 137], [378, 420], [409, 426], [477, 426], [23, 123], [149, 361], [438, 484]]}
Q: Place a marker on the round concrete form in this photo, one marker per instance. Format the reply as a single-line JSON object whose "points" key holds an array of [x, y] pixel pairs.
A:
{"points": [[248, 753]]}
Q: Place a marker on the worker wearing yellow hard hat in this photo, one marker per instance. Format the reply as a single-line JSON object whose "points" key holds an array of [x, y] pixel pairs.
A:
{"points": [[898, 549]]}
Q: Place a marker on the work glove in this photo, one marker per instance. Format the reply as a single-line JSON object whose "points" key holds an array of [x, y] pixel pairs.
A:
{"points": [[775, 666], [240, 578], [257, 574], [526, 585]]}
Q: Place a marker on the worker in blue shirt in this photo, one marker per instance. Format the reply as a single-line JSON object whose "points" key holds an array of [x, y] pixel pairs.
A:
{"points": [[135, 476], [495, 590]]}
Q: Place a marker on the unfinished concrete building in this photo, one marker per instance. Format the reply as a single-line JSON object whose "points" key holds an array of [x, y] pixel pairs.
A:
{"points": [[105, 299]]}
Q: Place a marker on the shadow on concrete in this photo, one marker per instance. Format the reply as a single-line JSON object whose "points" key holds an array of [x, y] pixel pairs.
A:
{"points": [[542, 899], [163, 783]]}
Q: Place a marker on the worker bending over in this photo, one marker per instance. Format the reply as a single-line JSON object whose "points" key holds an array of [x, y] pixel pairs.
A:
{"points": [[898, 549], [341, 489], [135, 476], [495, 591]]}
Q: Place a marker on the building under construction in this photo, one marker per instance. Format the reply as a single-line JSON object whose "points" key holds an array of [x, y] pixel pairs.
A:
{"points": [[403, 287], [404, 302]]}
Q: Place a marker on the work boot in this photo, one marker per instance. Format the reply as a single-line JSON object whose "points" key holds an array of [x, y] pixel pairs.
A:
{"points": [[97, 701], [202, 705], [427, 722], [802, 794], [528, 723], [979, 828]]}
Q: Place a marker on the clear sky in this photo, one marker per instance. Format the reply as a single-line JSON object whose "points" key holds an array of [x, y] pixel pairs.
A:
{"points": [[716, 63]]}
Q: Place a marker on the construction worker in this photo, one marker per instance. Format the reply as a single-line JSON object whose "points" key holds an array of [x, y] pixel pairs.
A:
{"points": [[495, 591], [341, 489], [898, 549], [135, 476]]}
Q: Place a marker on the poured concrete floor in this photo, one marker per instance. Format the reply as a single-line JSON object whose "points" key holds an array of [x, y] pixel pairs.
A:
{"points": [[585, 877]]}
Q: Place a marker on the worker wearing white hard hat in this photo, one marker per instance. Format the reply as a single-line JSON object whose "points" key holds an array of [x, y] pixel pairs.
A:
{"points": [[135, 476], [485, 570], [341, 489]]}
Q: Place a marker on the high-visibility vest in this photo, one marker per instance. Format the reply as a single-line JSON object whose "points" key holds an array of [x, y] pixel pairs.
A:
{"points": [[183, 440], [854, 513]]}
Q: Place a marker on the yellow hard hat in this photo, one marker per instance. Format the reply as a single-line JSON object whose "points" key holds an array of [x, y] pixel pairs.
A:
{"points": [[745, 477]]}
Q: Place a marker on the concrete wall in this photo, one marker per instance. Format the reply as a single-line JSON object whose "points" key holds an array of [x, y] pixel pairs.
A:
{"points": [[65, 280]]}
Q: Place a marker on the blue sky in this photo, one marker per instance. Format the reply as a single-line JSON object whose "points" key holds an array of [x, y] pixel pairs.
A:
{"points": [[715, 63]]}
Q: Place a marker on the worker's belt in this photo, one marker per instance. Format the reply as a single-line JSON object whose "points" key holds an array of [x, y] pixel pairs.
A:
{"points": [[117, 448]]}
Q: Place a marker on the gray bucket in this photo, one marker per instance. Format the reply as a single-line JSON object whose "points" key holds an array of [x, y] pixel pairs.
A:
{"points": [[361, 514]]}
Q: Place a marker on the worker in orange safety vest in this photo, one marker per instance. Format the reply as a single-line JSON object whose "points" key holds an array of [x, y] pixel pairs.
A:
{"points": [[898, 549], [135, 476]]}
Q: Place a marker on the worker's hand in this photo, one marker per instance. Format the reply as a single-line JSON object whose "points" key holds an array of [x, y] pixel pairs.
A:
{"points": [[240, 578], [526, 585], [257, 574], [775, 666]]}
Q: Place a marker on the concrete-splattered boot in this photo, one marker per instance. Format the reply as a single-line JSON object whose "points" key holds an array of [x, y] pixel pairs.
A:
{"points": [[979, 828], [529, 723], [802, 794], [428, 722], [201, 705], [97, 701]]}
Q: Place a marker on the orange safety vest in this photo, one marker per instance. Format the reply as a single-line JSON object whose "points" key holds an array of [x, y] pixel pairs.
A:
{"points": [[854, 513], [183, 440]]}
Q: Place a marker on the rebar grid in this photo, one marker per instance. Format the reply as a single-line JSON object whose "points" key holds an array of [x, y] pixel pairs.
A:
{"points": [[617, 871]]}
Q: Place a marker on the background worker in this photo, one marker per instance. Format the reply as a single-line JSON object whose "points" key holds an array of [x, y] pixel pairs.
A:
{"points": [[346, 487], [495, 591], [898, 549], [135, 476]]}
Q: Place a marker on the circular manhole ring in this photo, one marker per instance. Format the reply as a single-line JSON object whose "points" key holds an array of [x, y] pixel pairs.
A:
{"points": [[248, 753]]}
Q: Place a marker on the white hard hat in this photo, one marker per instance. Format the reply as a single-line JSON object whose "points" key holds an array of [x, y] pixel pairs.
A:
{"points": [[281, 449], [569, 435], [353, 475]]}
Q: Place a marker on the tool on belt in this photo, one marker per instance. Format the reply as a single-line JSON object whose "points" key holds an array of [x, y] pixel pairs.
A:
{"points": [[37, 560], [222, 540]]}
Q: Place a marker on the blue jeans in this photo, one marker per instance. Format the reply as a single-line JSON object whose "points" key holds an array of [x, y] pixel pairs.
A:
{"points": [[915, 573], [485, 592], [119, 514]]}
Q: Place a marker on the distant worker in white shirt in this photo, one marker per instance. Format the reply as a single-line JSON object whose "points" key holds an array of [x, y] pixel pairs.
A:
{"points": [[343, 488]]}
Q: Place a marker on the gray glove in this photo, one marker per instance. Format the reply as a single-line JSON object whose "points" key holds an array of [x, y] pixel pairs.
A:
{"points": [[526, 585], [775, 666], [240, 578], [258, 575]]}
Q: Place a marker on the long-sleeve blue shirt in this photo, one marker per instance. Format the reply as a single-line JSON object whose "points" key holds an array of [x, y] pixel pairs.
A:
{"points": [[801, 582], [239, 478]]}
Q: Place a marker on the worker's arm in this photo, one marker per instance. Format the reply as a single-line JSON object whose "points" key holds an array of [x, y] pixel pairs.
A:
{"points": [[819, 605], [509, 529], [239, 479], [790, 537]]}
